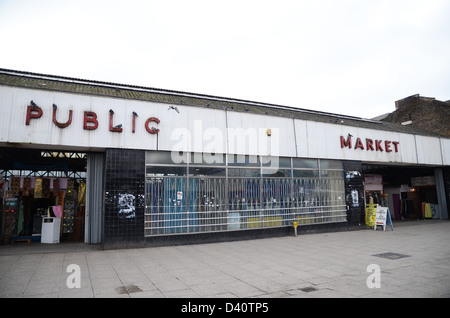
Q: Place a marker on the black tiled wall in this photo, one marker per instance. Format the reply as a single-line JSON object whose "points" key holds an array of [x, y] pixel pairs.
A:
{"points": [[354, 193], [124, 180], [446, 172]]}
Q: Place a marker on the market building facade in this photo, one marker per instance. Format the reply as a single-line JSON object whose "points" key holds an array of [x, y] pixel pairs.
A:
{"points": [[124, 165]]}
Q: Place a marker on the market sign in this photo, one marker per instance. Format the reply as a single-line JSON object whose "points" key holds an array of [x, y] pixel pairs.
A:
{"points": [[369, 144]]}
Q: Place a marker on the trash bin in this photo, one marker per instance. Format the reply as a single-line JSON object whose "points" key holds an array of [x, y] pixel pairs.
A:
{"points": [[51, 227]]}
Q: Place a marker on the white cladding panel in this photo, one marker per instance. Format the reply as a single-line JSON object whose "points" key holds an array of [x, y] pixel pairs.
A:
{"points": [[184, 129], [407, 148], [445, 148], [6, 104], [428, 150], [323, 140], [200, 130], [247, 134], [192, 129], [43, 131]]}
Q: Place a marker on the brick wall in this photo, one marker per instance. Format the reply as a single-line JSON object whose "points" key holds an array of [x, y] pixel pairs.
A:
{"points": [[425, 113]]}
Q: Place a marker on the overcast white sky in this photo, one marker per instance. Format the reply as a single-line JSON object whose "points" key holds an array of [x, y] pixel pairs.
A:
{"points": [[353, 57]]}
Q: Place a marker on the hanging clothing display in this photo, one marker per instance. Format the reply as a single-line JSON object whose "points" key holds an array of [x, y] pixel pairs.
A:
{"points": [[55, 185], [435, 211], [57, 210], [68, 215], [15, 185], [428, 214], [46, 188], [20, 219], [70, 188], [82, 193], [430, 210], [38, 188], [26, 187]]}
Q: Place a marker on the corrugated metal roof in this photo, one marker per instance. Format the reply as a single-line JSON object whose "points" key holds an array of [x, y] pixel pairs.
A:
{"points": [[123, 91]]}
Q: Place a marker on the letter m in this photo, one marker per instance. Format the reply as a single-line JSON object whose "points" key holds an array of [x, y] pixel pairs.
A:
{"points": [[346, 143]]}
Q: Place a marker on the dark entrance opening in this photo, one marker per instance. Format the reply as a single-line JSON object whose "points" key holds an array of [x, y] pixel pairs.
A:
{"points": [[409, 192], [35, 184]]}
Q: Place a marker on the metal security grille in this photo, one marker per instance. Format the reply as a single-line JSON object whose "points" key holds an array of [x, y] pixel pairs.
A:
{"points": [[182, 200], [209, 203]]}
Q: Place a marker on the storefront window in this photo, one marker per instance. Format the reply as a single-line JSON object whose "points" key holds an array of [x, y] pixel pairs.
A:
{"points": [[331, 173], [207, 172], [249, 173], [280, 173], [276, 162], [166, 157], [248, 192], [244, 161], [276, 201], [208, 204], [244, 203], [305, 163], [202, 159], [160, 171], [305, 173], [330, 164]]}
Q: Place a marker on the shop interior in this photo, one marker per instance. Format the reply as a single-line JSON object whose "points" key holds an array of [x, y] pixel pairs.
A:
{"points": [[409, 192], [42, 195]]}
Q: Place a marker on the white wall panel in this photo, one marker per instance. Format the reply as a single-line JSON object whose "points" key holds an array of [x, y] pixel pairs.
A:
{"points": [[445, 146], [301, 138], [192, 129], [199, 129], [322, 140], [428, 150], [6, 103], [251, 130], [407, 148]]}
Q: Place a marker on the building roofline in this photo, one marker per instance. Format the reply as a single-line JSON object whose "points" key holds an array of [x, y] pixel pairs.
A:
{"points": [[173, 92], [124, 91]]}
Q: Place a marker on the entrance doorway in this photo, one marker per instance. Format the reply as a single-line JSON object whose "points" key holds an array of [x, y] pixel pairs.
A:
{"points": [[409, 192], [38, 186]]}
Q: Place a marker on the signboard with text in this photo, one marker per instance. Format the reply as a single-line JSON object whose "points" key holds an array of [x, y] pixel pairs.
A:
{"points": [[383, 218]]}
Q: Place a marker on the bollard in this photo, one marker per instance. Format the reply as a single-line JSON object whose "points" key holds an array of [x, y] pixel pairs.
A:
{"points": [[294, 224]]}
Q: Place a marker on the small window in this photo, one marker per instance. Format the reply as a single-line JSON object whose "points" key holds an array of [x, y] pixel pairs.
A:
{"points": [[306, 173], [236, 172], [166, 157], [330, 164], [165, 171], [278, 173], [273, 162], [203, 159], [243, 160], [331, 174], [305, 163], [207, 172]]}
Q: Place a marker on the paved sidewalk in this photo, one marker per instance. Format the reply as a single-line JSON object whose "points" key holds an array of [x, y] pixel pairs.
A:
{"points": [[312, 265]]}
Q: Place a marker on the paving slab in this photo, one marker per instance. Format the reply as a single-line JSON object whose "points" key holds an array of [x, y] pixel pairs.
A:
{"points": [[413, 261]]}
